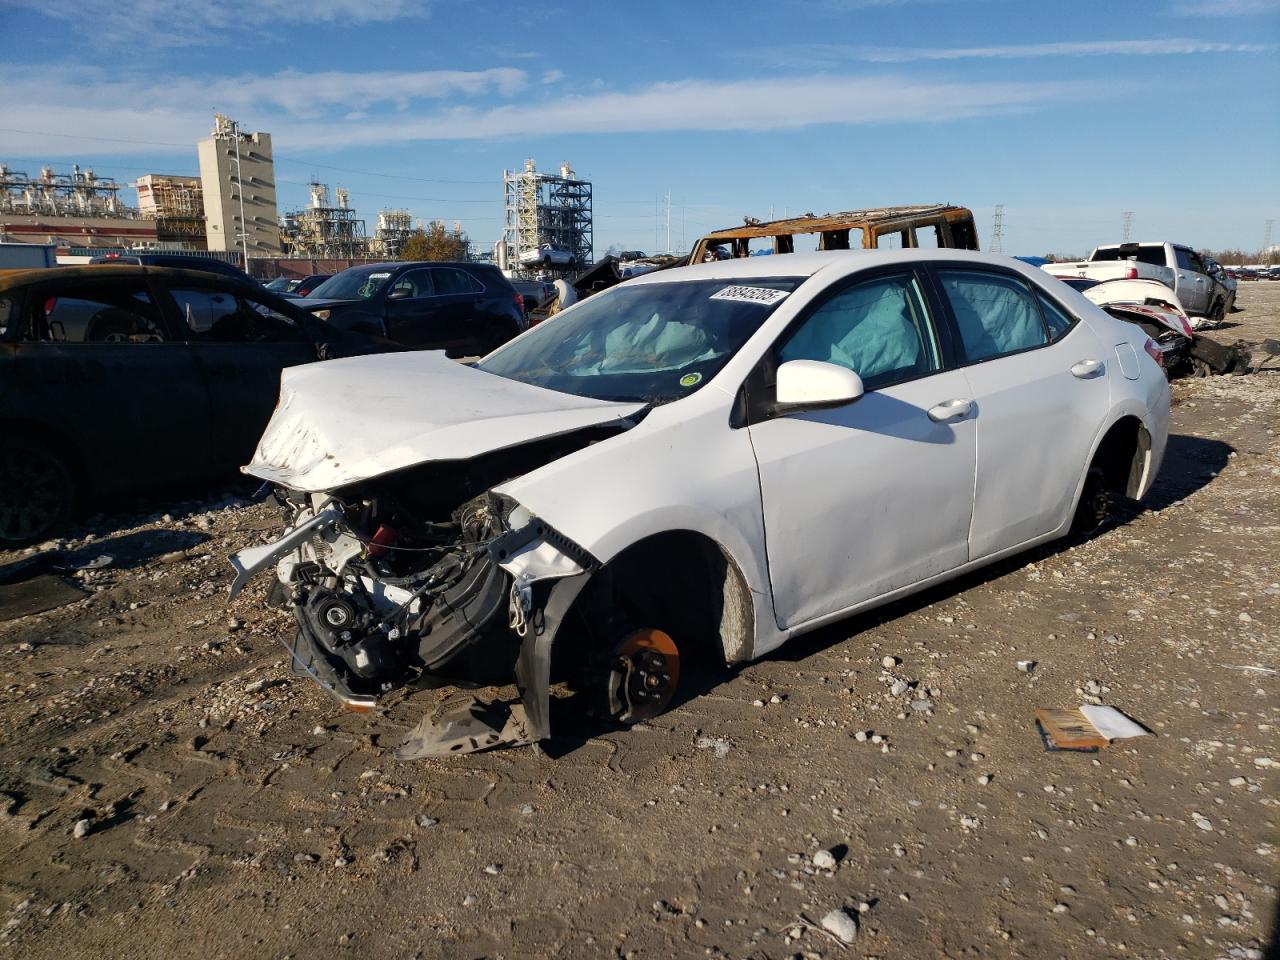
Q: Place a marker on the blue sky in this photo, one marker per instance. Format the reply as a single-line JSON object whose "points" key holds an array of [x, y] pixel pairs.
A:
{"points": [[1067, 113]]}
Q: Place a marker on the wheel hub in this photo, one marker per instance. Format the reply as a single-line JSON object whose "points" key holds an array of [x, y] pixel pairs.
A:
{"points": [[643, 676]]}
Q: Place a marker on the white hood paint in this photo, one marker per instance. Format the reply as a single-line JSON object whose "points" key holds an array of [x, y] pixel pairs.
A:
{"points": [[348, 420]]}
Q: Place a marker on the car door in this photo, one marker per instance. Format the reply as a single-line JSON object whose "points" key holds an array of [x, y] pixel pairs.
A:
{"points": [[461, 296], [415, 317], [240, 343], [866, 498], [1193, 286], [99, 365], [1038, 378]]}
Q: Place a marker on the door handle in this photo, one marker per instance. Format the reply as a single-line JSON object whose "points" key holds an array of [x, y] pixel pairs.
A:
{"points": [[950, 410], [1086, 369]]}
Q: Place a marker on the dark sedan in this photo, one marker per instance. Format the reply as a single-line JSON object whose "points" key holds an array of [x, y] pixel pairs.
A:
{"points": [[117, 377], [466, 309]]}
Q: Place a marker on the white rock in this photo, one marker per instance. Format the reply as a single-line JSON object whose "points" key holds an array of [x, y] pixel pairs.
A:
{"points": [[824, 860], [861, 736], [841, 925], [1026, 666], [899, 687], [889, 662], [82, 828]]}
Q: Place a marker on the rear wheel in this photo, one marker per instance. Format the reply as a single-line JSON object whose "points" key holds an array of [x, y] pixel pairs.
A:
{"points": [[1095, 503], [37, 491]]}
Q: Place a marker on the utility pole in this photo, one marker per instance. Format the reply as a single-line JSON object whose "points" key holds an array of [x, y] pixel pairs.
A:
{"points": [[1266, 240], [244, 227], [668, 222], [997, 230], [1126, 226]]}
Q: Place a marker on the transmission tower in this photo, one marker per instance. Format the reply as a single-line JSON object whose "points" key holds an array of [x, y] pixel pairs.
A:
{"points": [[997, 230], [1126, 226], [1266, 241]]}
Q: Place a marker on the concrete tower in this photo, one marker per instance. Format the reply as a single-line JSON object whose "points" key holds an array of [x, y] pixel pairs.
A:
{"points": [[239, 181]]}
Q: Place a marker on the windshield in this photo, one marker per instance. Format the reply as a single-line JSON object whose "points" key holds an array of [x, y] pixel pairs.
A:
{"points": [[653, 342], [358, 283]]}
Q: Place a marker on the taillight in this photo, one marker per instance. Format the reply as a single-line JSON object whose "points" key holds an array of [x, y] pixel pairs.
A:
{"points": [[50, 305], [1153, 352], [320, 314], [1131, 273], [520, 302]]}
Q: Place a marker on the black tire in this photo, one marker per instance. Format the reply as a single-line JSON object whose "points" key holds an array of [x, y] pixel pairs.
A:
{"points": [[38, 492], [1095, 504]]}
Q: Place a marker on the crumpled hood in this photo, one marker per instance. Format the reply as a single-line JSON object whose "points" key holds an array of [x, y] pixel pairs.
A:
{"points": [[348, 420]]}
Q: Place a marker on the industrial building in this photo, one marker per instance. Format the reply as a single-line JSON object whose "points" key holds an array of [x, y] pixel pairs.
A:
{"points": [[325, 228], [543, 208], [77, 208], [238, 177], [394, 227], [176, 204]]}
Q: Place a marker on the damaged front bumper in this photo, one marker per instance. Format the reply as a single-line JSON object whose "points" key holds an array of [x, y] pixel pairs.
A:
{"points": [[480, 598]]}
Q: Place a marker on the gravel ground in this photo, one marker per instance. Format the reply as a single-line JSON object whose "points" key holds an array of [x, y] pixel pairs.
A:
{"points": [[167, 789]]}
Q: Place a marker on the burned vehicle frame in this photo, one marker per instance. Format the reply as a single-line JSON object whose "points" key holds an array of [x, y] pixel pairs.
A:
{"points": [[954, 228]]}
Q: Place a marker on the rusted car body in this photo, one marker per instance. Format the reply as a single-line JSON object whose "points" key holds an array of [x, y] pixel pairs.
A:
{"points": [[929, 225]]}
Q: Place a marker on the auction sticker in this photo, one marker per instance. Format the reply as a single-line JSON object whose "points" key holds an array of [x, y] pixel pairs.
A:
{"points": [[691, 380], [743, 294]]}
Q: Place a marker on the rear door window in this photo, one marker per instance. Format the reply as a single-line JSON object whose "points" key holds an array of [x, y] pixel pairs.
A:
{"points": [[995, 313], [450, 281], [95, 313], [219, 316]]}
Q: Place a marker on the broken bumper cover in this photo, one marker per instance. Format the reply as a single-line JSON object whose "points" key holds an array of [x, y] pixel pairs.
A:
{"points": [[359, 638]]}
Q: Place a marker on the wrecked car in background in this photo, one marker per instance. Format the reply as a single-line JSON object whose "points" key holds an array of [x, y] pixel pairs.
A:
{"points": [[1156, 309], [115, 378], [688, 470], [923, 226]]}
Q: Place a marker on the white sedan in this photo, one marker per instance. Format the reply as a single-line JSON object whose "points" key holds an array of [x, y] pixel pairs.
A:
{"points": [[690, 469]]}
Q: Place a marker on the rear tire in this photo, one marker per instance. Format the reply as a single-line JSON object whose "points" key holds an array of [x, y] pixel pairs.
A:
{"points": [[38, 492], [1095, 504]]}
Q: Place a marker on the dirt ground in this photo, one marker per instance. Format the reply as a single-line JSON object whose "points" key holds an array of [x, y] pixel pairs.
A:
{"points": [[167, 789]]}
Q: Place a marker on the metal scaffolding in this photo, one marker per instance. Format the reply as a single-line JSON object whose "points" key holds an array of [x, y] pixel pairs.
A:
{"points": [[544, 208], [51, 194], [325, 229], [394, 227], [176, 203]]}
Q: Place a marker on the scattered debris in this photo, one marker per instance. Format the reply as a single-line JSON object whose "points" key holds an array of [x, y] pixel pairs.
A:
{"points": [[1092, 727]]}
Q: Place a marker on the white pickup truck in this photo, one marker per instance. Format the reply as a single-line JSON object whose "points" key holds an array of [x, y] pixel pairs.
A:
{"points": [[1176, 266]]}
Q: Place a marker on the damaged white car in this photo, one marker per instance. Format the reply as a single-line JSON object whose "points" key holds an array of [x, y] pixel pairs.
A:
{"points": [[691, 467]]}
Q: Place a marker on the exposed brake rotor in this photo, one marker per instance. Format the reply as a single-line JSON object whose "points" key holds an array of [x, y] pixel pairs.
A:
{"points": [[643, 675]]}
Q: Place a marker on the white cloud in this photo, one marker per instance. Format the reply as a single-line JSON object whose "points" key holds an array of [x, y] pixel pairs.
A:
{"points": [[207, 22], [832, 54], [69, 105], [553, 76]]}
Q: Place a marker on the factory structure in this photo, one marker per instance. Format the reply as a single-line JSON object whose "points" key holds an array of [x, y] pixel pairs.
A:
{"points": [[71, 209], [239, 190], [230, 211], [543, 208]]}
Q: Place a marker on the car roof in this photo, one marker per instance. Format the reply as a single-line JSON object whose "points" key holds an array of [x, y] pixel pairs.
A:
{"points": [[809, 264], [10, 279]]}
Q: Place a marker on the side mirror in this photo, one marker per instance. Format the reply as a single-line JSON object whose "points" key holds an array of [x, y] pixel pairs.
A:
{"points": [[400, 293], [813, 384]]}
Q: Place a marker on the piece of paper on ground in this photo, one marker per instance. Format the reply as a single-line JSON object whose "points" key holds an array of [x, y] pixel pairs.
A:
{"points": [[1111, 723]]}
